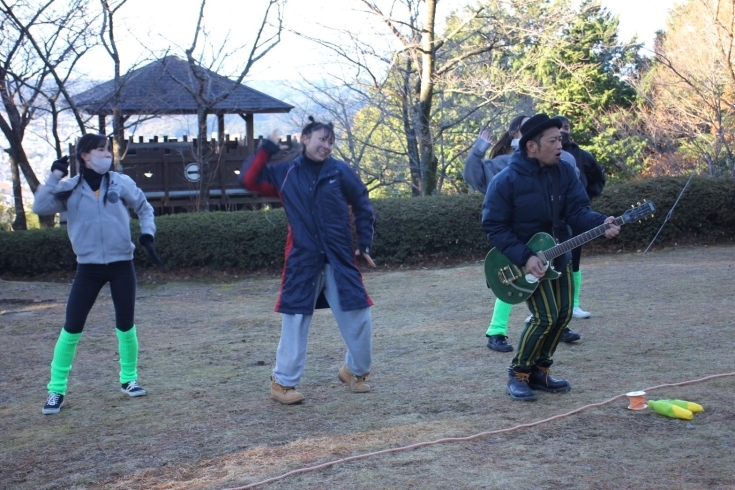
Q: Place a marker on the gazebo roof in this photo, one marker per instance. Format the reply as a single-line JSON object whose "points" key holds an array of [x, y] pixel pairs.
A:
{"points": [[157, 89]]}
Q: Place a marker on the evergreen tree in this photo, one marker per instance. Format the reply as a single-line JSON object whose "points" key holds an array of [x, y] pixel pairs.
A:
{"points": [[587, 76]]}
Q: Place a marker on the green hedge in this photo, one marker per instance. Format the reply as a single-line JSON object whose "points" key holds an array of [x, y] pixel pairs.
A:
{"points": [[407, 230], [705, 213]]}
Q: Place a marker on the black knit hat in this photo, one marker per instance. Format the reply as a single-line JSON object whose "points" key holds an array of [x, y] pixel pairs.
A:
{"points": [[535, 126]]}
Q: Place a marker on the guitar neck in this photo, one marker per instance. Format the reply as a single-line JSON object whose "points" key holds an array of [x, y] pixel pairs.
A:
{"points": [[578, 240]]}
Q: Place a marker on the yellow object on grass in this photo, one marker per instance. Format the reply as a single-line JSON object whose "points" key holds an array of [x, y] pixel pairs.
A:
{"points": [[665, 408], [691, 406]]}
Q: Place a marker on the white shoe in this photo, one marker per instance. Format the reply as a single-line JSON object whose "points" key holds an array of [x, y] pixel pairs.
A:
{"points": [[578, 312], [528, 319]]}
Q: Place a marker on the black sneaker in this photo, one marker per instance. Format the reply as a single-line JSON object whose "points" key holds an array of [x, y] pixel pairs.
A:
{"points": [[541, 379], [498, 343], [53, 403], [132, 388], [568, 336], [518, 387]]}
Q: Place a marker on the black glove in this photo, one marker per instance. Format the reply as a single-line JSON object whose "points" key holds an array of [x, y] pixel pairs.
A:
{"points": [[61, 164], [148, 243]]}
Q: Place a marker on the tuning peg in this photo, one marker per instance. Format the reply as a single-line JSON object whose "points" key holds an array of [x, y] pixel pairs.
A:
{"points": [[639, 203], [632, 205]]}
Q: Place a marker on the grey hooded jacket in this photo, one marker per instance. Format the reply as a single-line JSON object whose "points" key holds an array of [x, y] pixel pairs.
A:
{"points": [[478, 172], [99, 231]]}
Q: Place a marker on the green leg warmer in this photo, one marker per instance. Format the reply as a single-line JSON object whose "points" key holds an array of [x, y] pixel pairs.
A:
{"points": [[128, 347], [499, 321], [577, 278], [66, 348]]}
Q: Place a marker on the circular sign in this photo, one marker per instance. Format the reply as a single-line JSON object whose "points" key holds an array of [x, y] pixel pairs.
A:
{"points": [[191, 172]]}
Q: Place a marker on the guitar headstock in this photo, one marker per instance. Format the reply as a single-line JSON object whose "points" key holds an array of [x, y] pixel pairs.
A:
{"points": [[637, 213]]}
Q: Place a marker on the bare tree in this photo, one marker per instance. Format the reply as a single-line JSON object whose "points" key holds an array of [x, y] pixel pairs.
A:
{"points": [[107, 37], [342, 102], [693, 83], [19, 223], [406, 76], [444, 85], [29, 63], [416, 62], [208, 94]]}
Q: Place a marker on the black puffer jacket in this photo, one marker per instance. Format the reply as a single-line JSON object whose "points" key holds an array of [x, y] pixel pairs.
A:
{"points": [[591, 173], [518, 205]]}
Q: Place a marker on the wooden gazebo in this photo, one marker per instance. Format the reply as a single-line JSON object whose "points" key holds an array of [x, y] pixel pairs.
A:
{"points": [[166, 170]]}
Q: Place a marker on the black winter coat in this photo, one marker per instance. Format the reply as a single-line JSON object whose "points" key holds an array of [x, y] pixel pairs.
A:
{"points": [[518, 204], [591, 173]]}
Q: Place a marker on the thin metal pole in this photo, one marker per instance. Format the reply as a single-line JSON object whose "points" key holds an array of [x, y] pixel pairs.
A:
{"points": [[668, 215]]}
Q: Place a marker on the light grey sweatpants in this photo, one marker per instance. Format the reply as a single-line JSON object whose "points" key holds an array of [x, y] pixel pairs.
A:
{"points": [[355, 326]]}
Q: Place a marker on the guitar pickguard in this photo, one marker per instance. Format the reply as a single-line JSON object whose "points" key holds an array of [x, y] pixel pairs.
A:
{"points": [[531, 279]]}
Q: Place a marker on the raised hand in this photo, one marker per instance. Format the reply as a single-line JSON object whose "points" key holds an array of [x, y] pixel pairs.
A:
{"points": [[276, 139], [62, 165]]}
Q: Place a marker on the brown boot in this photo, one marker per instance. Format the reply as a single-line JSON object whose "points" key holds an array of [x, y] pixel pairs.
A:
{"points": [[284, 394], [356, 383]]}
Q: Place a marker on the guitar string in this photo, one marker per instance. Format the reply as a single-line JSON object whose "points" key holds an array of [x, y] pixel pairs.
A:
{"points": [[572, 243]]}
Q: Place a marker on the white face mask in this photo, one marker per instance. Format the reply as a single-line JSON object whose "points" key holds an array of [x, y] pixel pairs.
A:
{"points": [[100, 164], [515, 143]]}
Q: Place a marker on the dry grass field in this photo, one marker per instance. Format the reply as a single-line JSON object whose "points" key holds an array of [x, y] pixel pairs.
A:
{"points": [[208, 345]]}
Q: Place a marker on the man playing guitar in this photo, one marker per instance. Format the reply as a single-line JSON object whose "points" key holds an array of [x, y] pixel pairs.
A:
{"points": [[534, 194]]}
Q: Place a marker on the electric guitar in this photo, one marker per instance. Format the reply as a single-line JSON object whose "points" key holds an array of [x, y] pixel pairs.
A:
{"points": [[512, 285]]}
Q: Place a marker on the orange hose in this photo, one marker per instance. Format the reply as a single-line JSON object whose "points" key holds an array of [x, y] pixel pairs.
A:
{"points": [[466, 438]]}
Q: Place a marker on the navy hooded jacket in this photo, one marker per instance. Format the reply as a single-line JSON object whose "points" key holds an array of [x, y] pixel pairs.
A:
{"points": [[319, 227], [518, 204]]}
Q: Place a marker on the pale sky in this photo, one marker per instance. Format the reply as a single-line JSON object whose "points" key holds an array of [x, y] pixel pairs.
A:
{"points": [[640, 17], [145, 27], [156, 24]]}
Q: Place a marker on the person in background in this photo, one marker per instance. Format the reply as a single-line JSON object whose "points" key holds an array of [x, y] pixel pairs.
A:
{"points": [[96, 203], [592, 176], [320, 267], [478, 172], [538, 194]]}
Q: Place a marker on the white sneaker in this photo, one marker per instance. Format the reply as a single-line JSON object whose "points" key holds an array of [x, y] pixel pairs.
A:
{"points": [[578, 312], [528, 318]]}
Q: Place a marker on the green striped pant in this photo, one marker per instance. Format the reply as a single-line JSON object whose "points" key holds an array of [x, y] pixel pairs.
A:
{"points": [[551, 305]]}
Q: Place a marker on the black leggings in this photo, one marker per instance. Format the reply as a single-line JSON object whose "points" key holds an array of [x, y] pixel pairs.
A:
{"points": [[87, 285], [576, 256]]}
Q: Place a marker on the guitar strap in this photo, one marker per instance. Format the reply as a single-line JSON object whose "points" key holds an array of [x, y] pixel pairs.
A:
{"points": [[555, 200]]}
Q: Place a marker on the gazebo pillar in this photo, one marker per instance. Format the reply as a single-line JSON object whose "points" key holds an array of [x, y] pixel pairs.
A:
{"points": [[220, 130], [102, 124], [222, 151], [250, 132]]}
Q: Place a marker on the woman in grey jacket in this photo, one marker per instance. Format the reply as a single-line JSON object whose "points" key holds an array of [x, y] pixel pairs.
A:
{"points": [[96, 201], [477, 171]]}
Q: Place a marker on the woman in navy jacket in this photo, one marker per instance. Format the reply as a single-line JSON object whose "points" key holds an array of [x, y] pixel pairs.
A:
{"points": [[320, 269]]}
